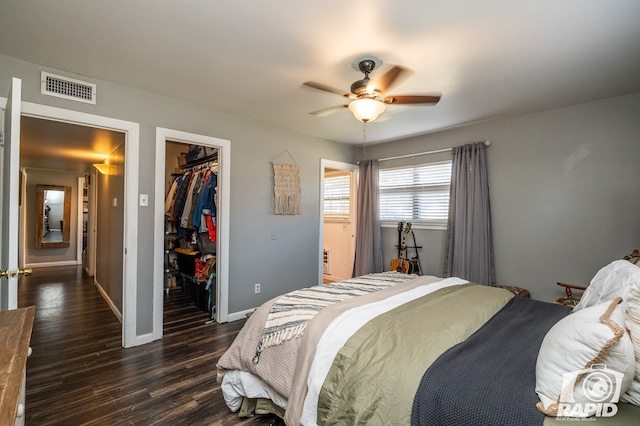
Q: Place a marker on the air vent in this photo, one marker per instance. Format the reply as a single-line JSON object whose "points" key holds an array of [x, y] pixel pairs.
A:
{"points": [[68, 88]]}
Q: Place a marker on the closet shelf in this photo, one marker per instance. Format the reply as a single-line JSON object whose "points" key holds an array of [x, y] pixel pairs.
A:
{"points": [[187, 252], [208, 159]]}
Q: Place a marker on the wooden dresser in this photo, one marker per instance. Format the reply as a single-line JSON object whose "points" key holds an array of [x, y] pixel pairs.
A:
{"points": [[15, 334]]}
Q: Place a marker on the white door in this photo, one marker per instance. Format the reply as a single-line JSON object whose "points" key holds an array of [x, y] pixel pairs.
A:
{"points": [[10, 211]]}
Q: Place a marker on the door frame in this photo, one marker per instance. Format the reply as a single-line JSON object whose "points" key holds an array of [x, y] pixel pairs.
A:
{"points": [[132, 143], [222, 222], [334, 165], [10, 211], [80, 214]]}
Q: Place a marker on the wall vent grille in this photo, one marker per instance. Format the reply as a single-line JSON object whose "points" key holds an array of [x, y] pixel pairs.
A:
{"points": [[68, 88]]}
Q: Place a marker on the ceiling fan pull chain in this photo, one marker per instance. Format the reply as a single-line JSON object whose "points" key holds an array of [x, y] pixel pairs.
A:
{"points": [[364, 141]]}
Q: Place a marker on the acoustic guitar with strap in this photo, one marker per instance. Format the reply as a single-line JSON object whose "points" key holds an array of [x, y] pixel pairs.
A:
{"points": [[400, 264]]}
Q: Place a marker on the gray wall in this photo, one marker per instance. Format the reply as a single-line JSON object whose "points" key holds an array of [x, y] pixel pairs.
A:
{"points": [[289, 262], [50, 255], [564, 191], [110, 227]]}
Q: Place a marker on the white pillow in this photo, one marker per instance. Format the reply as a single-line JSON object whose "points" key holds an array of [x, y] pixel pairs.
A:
{"points": [[584, 342], [609, 282], [632, 395]]}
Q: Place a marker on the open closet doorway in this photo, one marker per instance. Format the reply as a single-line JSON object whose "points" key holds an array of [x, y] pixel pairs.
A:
{"points": [[338, 227], [191, 232]]}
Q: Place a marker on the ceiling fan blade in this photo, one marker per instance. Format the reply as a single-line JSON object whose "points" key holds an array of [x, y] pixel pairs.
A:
{"points": [[411, 99], [325, 88], [383, 83], [328, 111]]}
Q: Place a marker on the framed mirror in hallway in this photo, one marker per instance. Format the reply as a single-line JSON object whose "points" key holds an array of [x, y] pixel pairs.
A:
{"points": [[53, 216]]}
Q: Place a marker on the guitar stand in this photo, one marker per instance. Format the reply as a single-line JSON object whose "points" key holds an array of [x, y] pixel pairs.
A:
{"points": [[413, 266]]}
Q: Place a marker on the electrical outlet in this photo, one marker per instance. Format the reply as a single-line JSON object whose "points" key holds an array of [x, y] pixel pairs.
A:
{"points": [[257, 288]]}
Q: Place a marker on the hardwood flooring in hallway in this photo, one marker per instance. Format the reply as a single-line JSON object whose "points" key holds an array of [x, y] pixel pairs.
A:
{"points": [[79, 374]]}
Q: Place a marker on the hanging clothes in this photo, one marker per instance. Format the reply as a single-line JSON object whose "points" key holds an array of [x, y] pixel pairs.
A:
{"points": [[211, 227], [186, 211], [206, 197], [192, 201], [171, 195], [181, 196]]}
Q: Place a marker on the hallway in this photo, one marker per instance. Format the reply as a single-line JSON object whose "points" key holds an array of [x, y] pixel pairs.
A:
{"points": [[79, 374]]}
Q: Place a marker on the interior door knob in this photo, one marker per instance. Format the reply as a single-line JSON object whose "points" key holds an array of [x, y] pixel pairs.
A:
{"points": [[13, 273]]}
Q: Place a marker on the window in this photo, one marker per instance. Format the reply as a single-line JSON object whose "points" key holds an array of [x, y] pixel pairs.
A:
{"points": [[337, 195], [418, 194]]}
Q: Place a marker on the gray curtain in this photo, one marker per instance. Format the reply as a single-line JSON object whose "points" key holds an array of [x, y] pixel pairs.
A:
{"points": [[368, 236], [469, 247]]}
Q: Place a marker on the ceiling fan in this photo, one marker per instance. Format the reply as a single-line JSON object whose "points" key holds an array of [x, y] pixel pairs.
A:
{"points": [[367, 95]]}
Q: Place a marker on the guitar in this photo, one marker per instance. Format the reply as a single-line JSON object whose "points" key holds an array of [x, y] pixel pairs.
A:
{"points": [[399, 264], [414, 262]]}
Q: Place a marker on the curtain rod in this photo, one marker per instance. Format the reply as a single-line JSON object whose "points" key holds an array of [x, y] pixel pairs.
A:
{"points": [[487, 143]]}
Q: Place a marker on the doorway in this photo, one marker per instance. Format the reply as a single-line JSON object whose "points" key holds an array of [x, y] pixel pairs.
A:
{"points": [[164, 137], [131, 131], [190, 260], [338, 227]]}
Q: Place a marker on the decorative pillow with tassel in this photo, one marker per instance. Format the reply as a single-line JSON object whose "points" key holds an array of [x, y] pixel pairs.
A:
{"points": [[585, 359]]}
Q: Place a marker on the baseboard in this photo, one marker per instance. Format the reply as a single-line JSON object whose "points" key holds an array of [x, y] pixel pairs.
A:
{"points": [[240, 315], [107, 299], [50, 264]]}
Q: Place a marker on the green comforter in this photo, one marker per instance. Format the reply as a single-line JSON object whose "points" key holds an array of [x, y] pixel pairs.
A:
{"points": [[374, 377]]}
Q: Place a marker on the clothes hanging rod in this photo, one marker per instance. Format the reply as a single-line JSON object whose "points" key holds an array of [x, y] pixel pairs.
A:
{"points": [[487, 143]]}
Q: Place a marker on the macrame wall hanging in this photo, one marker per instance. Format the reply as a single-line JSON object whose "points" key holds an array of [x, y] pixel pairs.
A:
{"points": [[286, 187]]}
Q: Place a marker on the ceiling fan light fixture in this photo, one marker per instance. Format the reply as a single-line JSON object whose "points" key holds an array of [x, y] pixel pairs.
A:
{"points": [[366, 109]]}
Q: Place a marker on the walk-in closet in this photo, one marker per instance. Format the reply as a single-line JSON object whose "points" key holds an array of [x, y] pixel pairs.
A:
{"points": [[191, 188]]}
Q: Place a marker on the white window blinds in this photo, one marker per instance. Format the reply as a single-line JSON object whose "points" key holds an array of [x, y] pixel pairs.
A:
{"points": [[418, 194], [337, 194]]}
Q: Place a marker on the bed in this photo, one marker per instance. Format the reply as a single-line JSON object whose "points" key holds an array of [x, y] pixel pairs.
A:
{"points": [[415, 350]]}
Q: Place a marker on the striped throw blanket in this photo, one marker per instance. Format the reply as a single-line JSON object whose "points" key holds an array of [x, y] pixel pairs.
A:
{"points": [[290, 314]]}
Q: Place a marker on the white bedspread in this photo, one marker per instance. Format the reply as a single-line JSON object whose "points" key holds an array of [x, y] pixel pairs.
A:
{"points": [[237, 384]]}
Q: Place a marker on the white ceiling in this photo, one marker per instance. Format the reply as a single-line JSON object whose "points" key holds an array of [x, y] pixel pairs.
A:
{"points": [[488, 59]]}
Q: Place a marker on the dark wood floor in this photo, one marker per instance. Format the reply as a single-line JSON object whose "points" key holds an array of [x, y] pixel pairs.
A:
{"points": [[79, 374]]}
